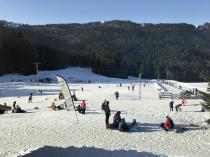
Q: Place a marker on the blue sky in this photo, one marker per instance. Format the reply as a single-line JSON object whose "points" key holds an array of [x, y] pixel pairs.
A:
{"points": [[82, 11]]}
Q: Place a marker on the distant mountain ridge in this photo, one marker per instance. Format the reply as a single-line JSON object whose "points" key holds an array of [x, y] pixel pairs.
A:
{"points": [[119, 48]]}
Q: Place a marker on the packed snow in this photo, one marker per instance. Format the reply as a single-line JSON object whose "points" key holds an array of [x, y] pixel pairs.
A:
{"points": [[45, 133]]}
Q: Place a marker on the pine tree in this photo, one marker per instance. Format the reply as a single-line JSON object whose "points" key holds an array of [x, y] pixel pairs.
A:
{"points": [[206, 99]]}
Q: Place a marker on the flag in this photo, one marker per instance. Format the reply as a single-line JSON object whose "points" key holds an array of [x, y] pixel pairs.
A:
{"points": [[66, 92]]}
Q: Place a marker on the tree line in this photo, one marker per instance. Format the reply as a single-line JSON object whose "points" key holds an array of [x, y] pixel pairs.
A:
{"points": [[112, 48]]}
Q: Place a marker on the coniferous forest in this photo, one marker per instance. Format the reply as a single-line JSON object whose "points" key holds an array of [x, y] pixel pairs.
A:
{"points": [[112, 48]]}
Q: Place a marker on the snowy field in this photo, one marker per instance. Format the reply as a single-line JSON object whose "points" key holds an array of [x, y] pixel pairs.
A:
{"points": [[45, 133]]}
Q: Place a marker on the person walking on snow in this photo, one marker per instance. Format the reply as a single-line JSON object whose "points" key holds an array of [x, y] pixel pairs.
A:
{"points": [[116, 94], [30, 98]]}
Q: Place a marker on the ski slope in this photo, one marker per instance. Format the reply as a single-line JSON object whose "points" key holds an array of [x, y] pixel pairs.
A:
{"points": [[45, 133]]}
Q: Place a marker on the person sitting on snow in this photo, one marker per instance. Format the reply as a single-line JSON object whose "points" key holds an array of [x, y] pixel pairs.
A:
{"points": [[168, 124], [116, 119], [53, 106], [203, 109], [123, 126], [18, 110], [133, 124], [83, 107]]}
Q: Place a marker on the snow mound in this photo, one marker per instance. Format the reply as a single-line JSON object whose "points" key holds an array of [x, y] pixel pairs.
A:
{"points": [[50, 151]]}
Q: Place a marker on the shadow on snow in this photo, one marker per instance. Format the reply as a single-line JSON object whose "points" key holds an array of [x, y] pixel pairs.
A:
{"points": [[49, 151]]}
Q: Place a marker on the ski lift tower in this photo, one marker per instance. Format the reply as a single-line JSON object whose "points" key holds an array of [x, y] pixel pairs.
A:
{"points": [[140, 86], [37, 71]]}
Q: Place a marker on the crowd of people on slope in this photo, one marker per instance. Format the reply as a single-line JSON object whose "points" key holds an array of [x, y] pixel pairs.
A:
{"points": [[118, 123]]}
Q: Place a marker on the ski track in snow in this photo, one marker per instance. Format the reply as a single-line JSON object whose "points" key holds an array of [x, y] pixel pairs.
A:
{"points": [[46, 133]]}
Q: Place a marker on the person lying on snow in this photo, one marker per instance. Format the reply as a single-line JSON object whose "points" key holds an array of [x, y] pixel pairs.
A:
{"points": [[168, 124], [54, 107], [82, 108]]}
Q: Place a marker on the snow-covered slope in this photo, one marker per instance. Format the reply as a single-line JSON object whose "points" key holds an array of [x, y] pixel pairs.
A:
{"points": [[45, 133]]}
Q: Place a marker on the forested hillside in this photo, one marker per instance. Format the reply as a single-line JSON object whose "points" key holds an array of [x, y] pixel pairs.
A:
{"points": [[113, 48]]}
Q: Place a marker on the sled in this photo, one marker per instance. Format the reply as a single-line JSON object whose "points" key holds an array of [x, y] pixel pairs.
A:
{"points": [[134, 129]]}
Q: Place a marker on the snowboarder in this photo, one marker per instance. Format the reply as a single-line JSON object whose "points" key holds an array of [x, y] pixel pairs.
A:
{"points": [[82, 89], [116, 95], [171, 105]]}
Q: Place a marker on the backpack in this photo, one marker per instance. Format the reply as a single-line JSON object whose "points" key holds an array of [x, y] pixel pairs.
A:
{"points": [[103, 106]]}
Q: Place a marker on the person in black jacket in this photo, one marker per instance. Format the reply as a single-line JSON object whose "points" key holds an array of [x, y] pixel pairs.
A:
{"points": [[107, 113], [171, 105], [117, 95]]}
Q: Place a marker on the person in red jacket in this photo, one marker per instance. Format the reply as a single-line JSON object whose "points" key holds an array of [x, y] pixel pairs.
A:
{"points": [[167, 123], [83, 107]]}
